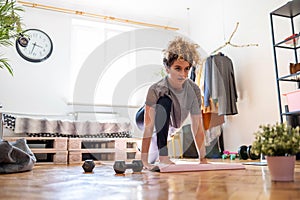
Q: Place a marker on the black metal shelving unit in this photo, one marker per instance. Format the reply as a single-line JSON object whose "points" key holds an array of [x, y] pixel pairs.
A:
{"points": [[290, 10]]}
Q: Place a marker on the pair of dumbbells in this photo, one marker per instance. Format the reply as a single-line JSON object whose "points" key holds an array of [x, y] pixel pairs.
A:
{"points": [[120, 166], [228, 154], [246, 153]]}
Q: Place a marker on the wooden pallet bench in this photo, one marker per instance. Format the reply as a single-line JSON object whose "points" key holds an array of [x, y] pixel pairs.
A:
{"points": [[102, 149], [47, 149]]}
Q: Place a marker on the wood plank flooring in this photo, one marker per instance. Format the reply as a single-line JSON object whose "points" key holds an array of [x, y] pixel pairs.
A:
{"points": [[70, 182]]}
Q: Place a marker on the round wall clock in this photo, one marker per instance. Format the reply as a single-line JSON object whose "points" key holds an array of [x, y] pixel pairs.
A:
{"points": [[34, 45]]}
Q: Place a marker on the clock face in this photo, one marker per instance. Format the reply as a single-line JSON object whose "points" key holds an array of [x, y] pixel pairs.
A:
{"points": [[34, 46]]}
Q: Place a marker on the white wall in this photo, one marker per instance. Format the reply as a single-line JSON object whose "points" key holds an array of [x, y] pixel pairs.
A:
{"points": [[211, 26], [43, 87], [39, 87]]}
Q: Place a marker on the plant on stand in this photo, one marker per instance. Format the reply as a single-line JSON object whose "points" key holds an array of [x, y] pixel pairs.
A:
{"points": [[279, 143], [10, 28]]}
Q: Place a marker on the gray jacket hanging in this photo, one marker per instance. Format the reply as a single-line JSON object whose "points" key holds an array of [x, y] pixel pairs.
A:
{"points": [[219, 84]]}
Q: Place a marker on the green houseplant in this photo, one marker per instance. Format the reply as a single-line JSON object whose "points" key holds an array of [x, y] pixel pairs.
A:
{"points": [[276, 140], [10, 28], [279, 143]]}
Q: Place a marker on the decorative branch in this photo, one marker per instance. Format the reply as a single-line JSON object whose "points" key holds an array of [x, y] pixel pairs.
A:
{"points": [[229, 42]]}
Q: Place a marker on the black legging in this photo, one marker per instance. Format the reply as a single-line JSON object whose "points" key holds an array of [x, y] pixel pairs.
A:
{"points": [[162, 122]]}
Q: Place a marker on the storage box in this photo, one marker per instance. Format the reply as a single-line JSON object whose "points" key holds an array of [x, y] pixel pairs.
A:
{"points": [[293, 100]]}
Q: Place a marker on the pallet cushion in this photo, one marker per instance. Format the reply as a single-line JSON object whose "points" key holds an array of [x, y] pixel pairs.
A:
{"points": [[48, 127]]}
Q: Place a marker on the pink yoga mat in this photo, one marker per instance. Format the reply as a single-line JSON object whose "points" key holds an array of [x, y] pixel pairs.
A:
{"points": [[198, 167]]}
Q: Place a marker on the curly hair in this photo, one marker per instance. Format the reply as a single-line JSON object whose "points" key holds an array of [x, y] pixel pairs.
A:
{"points": [[180, 48]]}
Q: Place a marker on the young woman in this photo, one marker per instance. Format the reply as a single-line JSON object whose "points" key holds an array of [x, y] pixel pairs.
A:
{"points": [[169, 102]]}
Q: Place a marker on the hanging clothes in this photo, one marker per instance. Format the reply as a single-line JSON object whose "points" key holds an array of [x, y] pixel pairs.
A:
{"points": [[210, 115], [212, 121], [219, 84], [193, 73], [211, 107]]}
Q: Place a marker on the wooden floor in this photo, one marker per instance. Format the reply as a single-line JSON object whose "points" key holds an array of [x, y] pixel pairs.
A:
{"points": [[70, 182]]}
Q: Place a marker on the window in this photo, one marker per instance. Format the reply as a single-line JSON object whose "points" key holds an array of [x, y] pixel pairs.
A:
{"points": [[86, 37], [123, 65]]}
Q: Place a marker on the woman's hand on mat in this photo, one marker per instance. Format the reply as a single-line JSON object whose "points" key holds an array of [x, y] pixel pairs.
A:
{"points": [[203, 161]]}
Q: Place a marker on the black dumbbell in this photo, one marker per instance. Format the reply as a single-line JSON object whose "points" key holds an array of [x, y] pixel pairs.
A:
{"points": [[88, 165], [120, 166], [245, 153], [252, 155]]}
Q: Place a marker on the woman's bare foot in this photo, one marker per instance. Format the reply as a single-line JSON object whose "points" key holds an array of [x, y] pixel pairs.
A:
{"points": [[165, 160]]}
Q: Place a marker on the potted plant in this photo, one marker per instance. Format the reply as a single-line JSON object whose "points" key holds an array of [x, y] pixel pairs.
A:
{"points": [[10, 28], [279, 143]]}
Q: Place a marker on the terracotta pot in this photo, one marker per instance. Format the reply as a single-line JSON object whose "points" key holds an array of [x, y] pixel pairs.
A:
{"points": [[281, 167]]}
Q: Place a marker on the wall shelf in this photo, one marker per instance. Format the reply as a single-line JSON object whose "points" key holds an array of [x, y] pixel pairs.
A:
{"points": [[291, 11]]}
